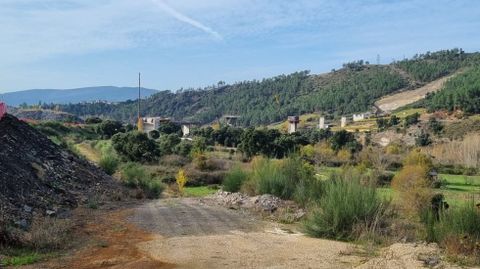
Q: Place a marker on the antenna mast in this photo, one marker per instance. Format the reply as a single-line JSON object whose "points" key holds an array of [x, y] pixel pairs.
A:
{"points": [[139, 85], [139, 118]]}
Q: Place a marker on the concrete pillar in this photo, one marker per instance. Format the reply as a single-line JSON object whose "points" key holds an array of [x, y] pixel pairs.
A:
{"points": [[185, 130], [344, 122], [293, 124], [321, 123]]}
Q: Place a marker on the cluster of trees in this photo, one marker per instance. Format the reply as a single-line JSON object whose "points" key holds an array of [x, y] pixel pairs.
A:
{"points": [[227, 136], [355, 65], [384, 123], [430, 66], [140, 147], [461, 92]]}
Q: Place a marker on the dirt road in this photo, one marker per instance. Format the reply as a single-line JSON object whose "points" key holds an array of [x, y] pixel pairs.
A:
{"points": [[192, 234], [392, 102]]}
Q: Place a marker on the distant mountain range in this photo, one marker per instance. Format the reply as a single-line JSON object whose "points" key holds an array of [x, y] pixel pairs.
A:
{"points": [[88, 94]]}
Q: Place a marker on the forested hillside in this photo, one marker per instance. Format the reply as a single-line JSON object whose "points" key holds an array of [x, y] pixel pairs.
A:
{"points": [[430, 66], [354, 88], [461, 92]]}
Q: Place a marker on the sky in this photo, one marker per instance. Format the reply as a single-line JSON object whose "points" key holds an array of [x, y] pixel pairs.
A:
{"points": [[191, 43]]}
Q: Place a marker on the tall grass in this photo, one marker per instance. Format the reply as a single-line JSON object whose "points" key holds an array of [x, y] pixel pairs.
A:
{"points": [[282, 178], [290, 178], [270, 180], [109, 164], [458, 230], [234, 179], [109, 160], [346, 206]]}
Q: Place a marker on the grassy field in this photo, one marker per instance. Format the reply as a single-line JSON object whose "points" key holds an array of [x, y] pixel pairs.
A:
{"points": [[199, 191], [88, 152], [410, 111], [20, 257], [457, 188], [460, 188]]}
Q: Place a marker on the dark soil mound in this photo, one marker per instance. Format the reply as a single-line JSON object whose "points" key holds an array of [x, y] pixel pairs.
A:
{"points": [[37, 176]]}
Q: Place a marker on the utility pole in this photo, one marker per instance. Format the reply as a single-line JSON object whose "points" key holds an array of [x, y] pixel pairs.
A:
{"points": [[139, 85], [139, 118]]}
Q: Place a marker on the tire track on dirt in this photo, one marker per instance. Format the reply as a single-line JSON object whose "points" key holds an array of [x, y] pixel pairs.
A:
{"points": [[188, 217]]}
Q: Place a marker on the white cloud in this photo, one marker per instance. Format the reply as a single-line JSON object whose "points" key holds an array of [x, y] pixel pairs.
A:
{"points": [[184, 18], [37, 29]]}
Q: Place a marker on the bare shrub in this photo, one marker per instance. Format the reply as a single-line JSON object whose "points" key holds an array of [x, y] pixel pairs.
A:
{"points": [[173, 160], [48, 234], [8, 236], [413, 183], [465, 152], [324, 153]]}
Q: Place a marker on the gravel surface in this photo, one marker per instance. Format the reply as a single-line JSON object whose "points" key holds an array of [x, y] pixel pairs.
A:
{"points": [[189, 216]]}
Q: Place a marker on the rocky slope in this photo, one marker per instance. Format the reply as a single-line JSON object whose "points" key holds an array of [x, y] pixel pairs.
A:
{"points": [[37, 176]]}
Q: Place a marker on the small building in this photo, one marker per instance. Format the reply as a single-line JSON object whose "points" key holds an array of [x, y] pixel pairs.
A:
{"points": [[230, 120], [293, 124], [153, 123], [187, 127], [433, 175], [358, 117]]}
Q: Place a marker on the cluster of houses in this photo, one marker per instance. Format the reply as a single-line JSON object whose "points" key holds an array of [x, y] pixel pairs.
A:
{"points": [[293, 121], [153, 123]]}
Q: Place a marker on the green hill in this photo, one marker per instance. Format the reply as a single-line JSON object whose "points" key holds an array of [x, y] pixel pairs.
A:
{"points": [[354, 88]]}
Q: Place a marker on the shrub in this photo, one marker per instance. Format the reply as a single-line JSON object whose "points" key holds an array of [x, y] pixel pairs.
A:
{"points": [[346, 205], [308, 190], [183, 148], [93, 120], [234, 180], [109, 128], [153, 188], [134, 176], [413, 186], [423, 139], [204, 163], [135, 147], [269, 179], [109, 164], [154, 134], [167, 143], [411, 119], [307, 151], [324, 154], [47, 234], [181, 180], [281, 178], [457, 230], [416, 157]]}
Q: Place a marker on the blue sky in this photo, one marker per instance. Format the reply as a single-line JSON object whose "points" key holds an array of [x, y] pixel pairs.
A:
{"points": [[193, 43]]}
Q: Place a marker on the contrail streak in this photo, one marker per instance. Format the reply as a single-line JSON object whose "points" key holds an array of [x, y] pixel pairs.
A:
{"points": [[183, 18]]}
